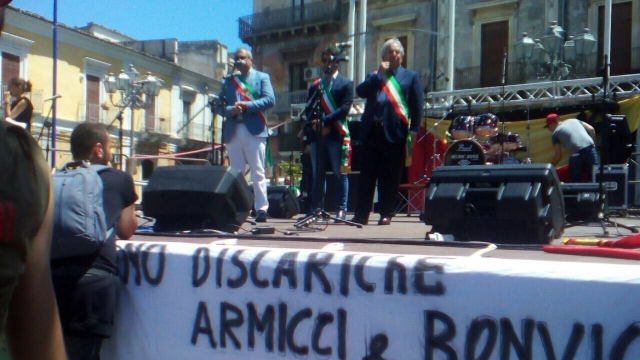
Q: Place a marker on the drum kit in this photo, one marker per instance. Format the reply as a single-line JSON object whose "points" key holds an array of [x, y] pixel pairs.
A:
{"points": [[475, 140]]}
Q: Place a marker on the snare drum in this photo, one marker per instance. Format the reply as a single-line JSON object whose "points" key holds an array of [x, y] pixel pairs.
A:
{"points": [[506, 142], [486, 125], [465, 152], [462, 127]]}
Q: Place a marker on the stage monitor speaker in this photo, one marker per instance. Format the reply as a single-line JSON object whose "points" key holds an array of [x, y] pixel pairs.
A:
{"points": [[503, 204], [618, 140], [283, 203], [616, 184], [197, 197]]}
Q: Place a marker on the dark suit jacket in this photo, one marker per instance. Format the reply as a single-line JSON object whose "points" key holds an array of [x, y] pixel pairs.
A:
{"points": [[261, 83], [342, 93], [394, 129]]}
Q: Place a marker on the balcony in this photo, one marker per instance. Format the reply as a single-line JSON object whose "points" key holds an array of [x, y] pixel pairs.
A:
{"points": [[317, 16], [285, 99]]}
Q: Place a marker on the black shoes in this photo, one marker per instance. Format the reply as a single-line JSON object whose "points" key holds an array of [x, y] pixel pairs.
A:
{"points": [[261, 217]]}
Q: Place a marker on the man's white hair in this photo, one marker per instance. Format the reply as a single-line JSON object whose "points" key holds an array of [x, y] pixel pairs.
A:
{"points": [[389, 43]]}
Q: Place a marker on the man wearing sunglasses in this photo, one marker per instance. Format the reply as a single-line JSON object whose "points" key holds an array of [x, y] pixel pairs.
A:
{"points": [[248, 94], [335, 97]]}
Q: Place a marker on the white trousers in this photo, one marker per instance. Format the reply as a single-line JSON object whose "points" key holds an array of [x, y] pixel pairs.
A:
{"points": [[245, 148]]}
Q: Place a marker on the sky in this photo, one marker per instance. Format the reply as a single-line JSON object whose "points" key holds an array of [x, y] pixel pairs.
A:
{"points": [[186, 20]]}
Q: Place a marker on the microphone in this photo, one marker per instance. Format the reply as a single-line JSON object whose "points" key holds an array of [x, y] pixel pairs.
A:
{"points": [[344, 44], [56, 96], [235, 73], [239, 62]]}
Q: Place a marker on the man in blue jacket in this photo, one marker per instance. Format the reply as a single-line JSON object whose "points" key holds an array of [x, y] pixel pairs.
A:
{"points": [[247, 94], [394, 107]]}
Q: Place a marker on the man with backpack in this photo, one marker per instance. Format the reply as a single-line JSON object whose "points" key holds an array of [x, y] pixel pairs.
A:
{"points": [[85, 274]]}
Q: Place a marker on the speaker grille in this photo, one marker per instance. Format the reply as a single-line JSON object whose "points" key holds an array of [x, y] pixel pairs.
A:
{"points": [[195, 197]]}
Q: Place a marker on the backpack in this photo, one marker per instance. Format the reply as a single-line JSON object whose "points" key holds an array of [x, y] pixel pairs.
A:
{"points": [[79, 222]]}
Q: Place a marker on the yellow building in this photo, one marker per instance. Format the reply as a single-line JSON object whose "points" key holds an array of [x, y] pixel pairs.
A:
{"points": [[177, 120]]}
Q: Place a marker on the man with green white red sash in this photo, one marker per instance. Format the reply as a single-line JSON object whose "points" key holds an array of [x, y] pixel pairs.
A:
{"points": [[247, 94], [391, 119], [335, 102]]}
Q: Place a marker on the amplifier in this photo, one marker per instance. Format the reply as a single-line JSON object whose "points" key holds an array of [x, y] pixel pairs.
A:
{"points": [[616, 184]]}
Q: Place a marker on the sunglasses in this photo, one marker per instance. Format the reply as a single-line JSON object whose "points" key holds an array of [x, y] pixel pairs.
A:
{"points": [[239, 58]]}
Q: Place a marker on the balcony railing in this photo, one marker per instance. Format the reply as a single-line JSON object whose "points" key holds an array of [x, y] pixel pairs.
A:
{"points": [[522, 73], [285, 99], [318, 12], [197, 132]]}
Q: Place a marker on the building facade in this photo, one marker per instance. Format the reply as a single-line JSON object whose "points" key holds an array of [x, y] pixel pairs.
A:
{"points": [[177, 120]]}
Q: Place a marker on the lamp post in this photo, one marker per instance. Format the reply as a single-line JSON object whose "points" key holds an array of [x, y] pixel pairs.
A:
{"points": [[551, 57], [134, 94]]}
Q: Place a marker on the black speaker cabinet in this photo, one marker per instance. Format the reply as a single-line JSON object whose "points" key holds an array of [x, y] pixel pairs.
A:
{"points": [[503, 204], [283, 203], [195, 197]]}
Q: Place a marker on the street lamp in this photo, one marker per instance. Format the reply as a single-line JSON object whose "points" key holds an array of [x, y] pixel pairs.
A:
{"points": [[134, 94], [542, 58]]}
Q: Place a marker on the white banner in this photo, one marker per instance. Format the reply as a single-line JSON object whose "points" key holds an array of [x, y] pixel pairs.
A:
{"points": [[189, 301]]}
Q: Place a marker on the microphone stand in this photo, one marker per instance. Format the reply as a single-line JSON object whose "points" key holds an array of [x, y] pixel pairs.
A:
{"points": [[435, 158], [222, 104], [319, 180], [47, 124]]}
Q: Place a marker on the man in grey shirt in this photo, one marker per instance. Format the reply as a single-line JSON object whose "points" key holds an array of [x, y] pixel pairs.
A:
{"points": [[578, 138]]}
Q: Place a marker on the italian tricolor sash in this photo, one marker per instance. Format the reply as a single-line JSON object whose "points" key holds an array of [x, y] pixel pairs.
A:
{"points": [[394, 93], [329, 106], [247, 93]]}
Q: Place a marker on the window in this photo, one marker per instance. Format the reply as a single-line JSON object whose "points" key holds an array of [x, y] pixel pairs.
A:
{"points": [[296, 77], [10, 68], [493, 46], [93, 99], [150, 123], [620, 58]]}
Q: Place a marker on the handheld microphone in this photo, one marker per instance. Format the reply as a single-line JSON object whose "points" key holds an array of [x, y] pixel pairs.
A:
{"points": [[239, 62], [235, 73], [56, 96], [344, 44]]}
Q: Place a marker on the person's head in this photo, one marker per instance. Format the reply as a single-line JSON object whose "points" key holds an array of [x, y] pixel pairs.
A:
{"points": [[18, 86], [328, 55], [91, 142], [393, 52], [243, 60], [552, 122]]}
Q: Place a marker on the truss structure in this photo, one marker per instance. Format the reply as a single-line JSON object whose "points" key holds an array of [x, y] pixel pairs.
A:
{"points": [[541, 94]]}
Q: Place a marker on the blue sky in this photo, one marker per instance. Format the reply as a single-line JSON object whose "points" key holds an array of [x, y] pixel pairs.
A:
{"points": [[186, 20]]}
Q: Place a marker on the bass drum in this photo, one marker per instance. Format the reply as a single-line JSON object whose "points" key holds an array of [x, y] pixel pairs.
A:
{"points": [[462, 127], [465, 152]]}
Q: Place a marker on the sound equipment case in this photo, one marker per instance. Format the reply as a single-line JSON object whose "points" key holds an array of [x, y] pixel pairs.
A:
{"points": [[616, 184]]}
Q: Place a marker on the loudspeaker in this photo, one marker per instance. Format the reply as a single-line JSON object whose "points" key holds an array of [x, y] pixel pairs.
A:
{"points": [[283, 203], [504, 204], [617, 142], [196, 197], [581, 201]]}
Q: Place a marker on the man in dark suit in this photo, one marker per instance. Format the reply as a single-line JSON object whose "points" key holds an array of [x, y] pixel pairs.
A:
{"points": [[336, 96], [394, 107], [248, 94]]}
